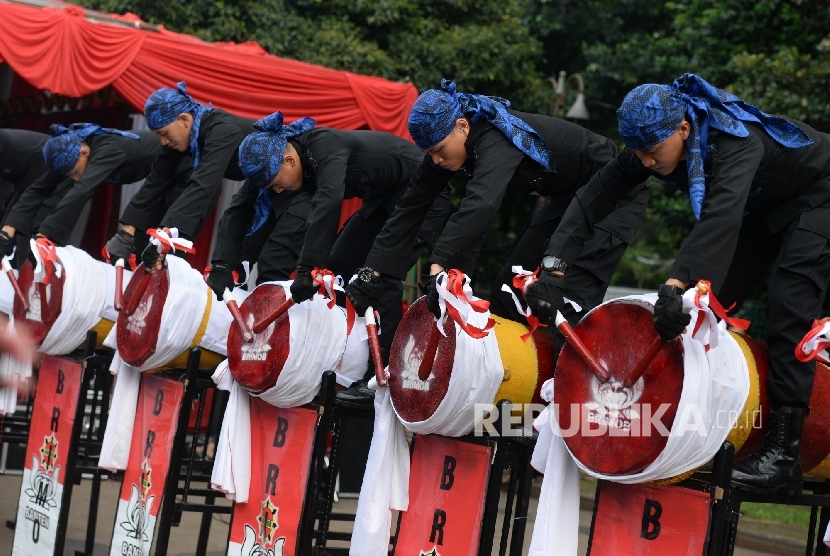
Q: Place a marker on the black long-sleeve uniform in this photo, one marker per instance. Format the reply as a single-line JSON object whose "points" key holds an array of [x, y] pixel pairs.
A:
{"points": [[763, 203], [113, 159], [276, 245], [219, 137], [495, 165], [338, 165]]}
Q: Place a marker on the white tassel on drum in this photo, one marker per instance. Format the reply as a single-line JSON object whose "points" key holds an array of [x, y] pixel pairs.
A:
{"points": [[232, 465]]}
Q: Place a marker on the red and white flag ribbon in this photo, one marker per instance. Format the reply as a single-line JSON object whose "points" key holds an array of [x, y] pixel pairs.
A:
{"points": [[46, 258], [522, 280], [705, 309], [327, 283], [456, 300], [815, 344], [170, 242]]}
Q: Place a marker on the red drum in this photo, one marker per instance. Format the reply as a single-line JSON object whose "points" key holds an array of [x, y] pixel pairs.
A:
{"points": [[526, 365], [257, 365], [32, 319], [618, 333], [137, 334]]}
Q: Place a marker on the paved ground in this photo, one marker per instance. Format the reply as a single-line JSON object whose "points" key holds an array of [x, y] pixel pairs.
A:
{"points": [[755, 537]]}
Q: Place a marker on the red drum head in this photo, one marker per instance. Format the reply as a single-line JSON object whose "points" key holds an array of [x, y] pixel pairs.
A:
{"points": [[137, 335], [414, 399], [33, 319], [258, 364], [618, 334]]}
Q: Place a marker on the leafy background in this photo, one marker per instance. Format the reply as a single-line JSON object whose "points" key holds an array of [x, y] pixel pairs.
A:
{"points": [[773, 53]]}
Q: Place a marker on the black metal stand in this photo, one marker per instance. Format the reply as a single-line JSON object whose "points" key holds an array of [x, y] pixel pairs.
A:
{"points": [[190, 467], [315, 528]]}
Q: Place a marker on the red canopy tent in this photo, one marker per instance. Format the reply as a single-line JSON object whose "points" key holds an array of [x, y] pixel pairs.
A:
{"points": [[70, 51]]}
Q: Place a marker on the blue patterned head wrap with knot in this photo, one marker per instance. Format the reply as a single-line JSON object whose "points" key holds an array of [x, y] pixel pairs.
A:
{"points": [[164, 106], [434, 114], [651, 113], [62, 150], [260, 157]]}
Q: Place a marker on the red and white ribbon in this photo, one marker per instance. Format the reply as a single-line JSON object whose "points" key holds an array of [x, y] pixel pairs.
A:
{"points": [[815, 344], [522, 280], [327, 283], [170, 241], [456, 301], [46, 258], [705, 309]]}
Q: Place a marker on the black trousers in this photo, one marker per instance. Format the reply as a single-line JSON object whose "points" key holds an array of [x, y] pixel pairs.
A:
{"points": [[585, 281], [800, 259]]}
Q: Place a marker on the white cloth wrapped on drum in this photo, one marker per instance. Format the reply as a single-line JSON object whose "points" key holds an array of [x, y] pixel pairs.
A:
{"points": [[715, 383], [184, 308], [477, 373], [317, 340]]}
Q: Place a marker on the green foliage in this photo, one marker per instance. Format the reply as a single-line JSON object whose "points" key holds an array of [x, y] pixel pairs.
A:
{"points": [[773, 53]]}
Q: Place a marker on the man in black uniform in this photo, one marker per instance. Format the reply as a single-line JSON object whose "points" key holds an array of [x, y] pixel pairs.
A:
{"points": [[759, 187], [503, 149], [21, 163], [261, 226], [188, 129], [337, 165], [88, 155]]}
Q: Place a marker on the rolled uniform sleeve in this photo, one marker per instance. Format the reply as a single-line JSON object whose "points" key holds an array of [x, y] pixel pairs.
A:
{"points": [[709, 249], [593, 203], [105, 160], [391, 251], [324, 217]]}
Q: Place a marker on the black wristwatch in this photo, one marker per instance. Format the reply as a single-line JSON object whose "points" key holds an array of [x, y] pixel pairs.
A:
{"points": [[552, 264], [365, 275]]}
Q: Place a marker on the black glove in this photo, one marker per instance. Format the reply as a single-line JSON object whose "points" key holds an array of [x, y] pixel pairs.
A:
{"points": [[428, 288], [366, 291], [150, 256], [6, 245], [303, 287], [546, 296], [120, 246], [669, 319], [220, 278]]}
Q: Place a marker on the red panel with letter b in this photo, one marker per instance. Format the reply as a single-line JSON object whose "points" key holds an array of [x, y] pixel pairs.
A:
{"points": [[447, 485], [642, 520]]}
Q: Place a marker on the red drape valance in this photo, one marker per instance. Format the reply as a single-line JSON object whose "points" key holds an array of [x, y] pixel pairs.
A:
{"points": [[62, 51]]}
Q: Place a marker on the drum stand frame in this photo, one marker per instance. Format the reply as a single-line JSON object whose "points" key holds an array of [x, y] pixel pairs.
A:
{"points": [[726, 504]]}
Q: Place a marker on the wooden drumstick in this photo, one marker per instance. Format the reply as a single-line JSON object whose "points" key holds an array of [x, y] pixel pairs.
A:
{"points": [[7, 268], [429, 353], [260, 326], [118, 301], [596, 367], [138, 293], [233, 307], [644, 362], [374, 345]]}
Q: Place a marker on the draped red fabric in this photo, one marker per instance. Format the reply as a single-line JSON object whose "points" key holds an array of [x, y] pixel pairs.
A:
{"points": [[63, 52]]}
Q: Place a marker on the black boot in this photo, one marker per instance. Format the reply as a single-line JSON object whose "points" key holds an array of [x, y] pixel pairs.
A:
{"points": [[359, 395], [775, 466]]}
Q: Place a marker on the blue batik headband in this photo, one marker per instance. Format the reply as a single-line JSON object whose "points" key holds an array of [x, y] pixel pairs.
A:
{"points": [[62, 150], [260, 157], [651, 113], [166, 104], [434, 114]]}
